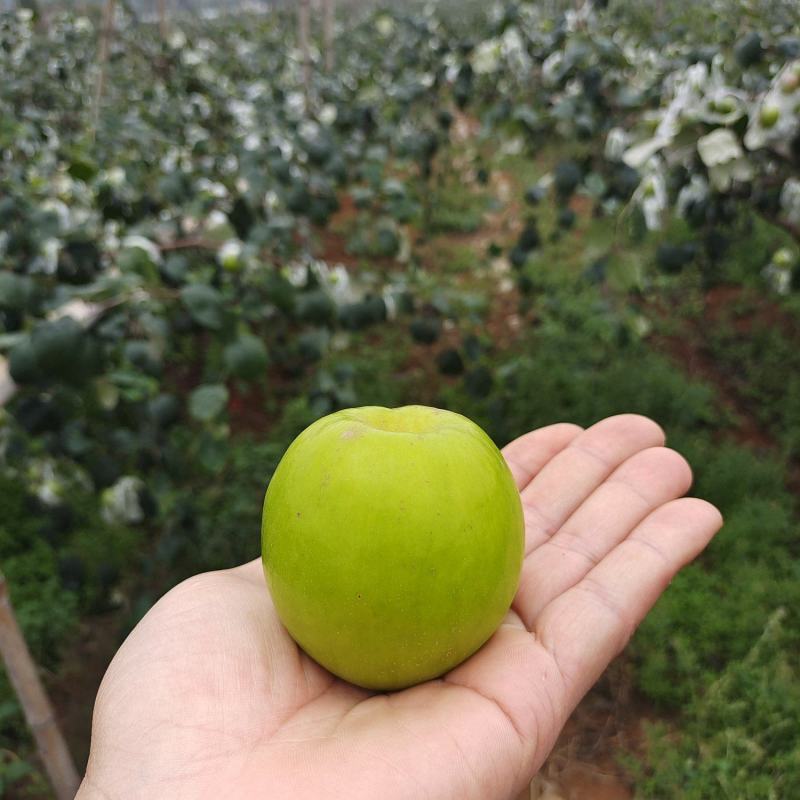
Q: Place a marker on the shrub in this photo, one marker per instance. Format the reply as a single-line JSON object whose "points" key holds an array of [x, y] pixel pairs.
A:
{"points": [[740, 739]]}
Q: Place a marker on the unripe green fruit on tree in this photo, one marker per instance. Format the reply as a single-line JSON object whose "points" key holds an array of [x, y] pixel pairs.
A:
{"points": [[392, 542], [769, 116], [783, 257], [230, 255], [725, 105]]}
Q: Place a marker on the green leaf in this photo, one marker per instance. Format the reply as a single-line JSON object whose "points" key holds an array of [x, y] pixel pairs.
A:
{"points": [[204, 304], [212, 453], [133, 386], [17, 292], [246, 358], [10, 340], [82, 168], [9, 710], [23, 365], [208, 401], [15, 771]]}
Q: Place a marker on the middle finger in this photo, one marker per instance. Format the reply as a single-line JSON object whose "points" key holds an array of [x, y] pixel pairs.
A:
{"points": [[574, 473]]}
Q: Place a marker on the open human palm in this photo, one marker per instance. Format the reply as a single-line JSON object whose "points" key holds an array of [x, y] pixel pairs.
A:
{"points": [[209, 697]]}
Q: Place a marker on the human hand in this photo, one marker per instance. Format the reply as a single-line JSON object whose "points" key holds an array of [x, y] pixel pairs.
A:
{"points": [[209, 697]]}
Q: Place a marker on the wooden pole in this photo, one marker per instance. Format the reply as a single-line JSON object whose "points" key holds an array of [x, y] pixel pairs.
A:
{"points": [[162, 18], [328, 11], [659, 13], [303, 30], [105, 47], [38, 711]]}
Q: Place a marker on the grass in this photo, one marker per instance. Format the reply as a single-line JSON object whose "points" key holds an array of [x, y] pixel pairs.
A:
{"points": [[453, 257], [766, 363], [60, 563], [740, 739], [454, 208]]}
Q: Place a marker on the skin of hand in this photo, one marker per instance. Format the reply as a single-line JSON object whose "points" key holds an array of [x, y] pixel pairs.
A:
{"points": [[209, 697]]}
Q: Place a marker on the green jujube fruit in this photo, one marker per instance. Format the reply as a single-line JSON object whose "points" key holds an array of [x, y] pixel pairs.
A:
{"points": [[392, 542]]}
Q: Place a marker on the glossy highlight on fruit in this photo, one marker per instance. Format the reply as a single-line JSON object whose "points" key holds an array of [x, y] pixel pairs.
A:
{"points": [[392, 542]]}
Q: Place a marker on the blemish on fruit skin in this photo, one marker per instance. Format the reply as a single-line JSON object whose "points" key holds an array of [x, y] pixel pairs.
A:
{"points": [[350, 433]]}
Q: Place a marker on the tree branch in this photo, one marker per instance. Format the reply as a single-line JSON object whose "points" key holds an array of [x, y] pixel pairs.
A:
{"points": [[105, 46], [188, 244]]}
